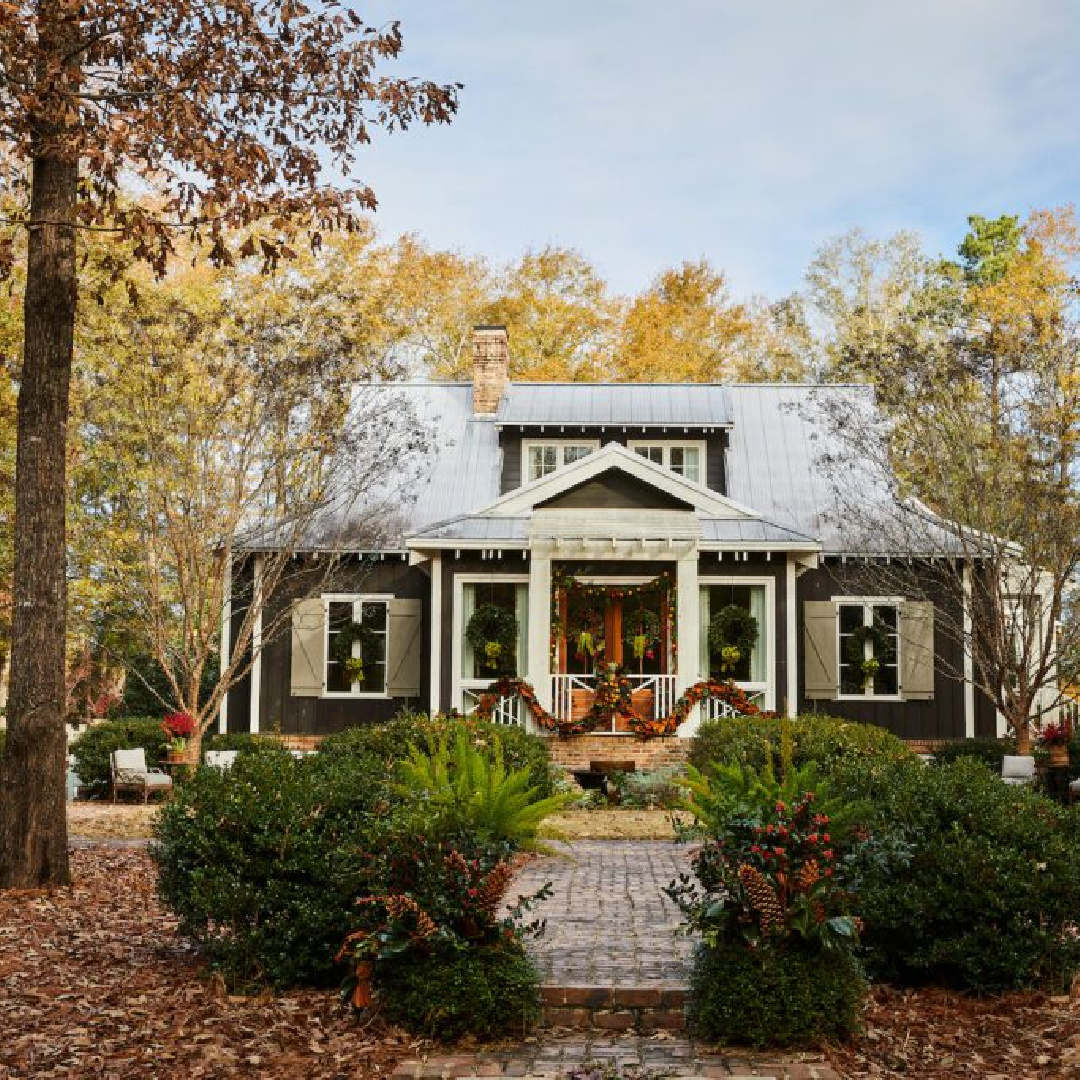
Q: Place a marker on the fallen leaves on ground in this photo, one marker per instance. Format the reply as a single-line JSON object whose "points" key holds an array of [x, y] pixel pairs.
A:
{"points": [[933, 1034], [612, 824], [103, 821], [94, 982]]}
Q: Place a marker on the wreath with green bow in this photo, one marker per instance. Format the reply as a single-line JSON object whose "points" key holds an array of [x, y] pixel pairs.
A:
{"points": [[642, 631], [586, 635], [733, 633], [881, 653], [493, 634], [344, 639]]}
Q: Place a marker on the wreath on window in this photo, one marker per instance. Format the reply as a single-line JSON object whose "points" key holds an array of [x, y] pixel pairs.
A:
{"points": [[493, 634], [642, 633], [881, 653], [587, 634], [344, 639], [733, 633]]}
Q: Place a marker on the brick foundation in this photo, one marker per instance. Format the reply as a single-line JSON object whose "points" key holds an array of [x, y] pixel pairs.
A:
{"points": [[577, 752]]}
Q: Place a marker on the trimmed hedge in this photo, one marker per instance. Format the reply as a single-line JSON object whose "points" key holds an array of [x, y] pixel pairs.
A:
{"points": [[487, 992], [966, 881], [774, 995], [823, 740], [989, 751], [264, 863], [93, 747]]}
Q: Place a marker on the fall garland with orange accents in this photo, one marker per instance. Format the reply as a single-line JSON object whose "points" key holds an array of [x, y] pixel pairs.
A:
{"points": [[613, 696]]}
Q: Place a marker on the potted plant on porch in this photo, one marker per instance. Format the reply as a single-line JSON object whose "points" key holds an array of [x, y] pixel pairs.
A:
{"points": [[1055, 739]]}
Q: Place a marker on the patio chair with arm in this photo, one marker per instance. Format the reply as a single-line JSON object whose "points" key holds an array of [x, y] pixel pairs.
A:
{"points": [[128, 772]]}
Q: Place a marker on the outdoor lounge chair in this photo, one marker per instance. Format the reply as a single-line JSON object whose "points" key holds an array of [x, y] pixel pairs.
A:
{"points": [[1018, 770], [220, 759], [128, 772]]}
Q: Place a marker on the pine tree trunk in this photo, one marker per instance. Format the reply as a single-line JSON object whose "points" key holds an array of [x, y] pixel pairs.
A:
{"points": [[33, 825]]}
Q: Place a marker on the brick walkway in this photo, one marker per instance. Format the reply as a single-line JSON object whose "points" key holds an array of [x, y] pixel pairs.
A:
{"points": [[610, 956], [609, 923]]}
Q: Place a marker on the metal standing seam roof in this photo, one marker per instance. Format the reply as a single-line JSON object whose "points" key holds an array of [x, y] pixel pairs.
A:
{"points": [[630, 405]]}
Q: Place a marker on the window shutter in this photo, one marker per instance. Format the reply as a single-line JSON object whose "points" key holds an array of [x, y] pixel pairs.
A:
{"points": [[403, 648], [308, 660], [819, 649], [917, 650]]}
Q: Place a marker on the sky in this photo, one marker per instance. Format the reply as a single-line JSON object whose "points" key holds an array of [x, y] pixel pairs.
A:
{"points": [[748, 132]]}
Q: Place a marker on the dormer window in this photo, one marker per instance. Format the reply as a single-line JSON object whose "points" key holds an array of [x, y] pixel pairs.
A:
{"points": [[686, 459], [544, 457]]}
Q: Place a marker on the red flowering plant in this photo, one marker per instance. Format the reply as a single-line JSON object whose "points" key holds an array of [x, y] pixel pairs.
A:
{"points": [[768, 871], [178, 728], [1055, 734]]}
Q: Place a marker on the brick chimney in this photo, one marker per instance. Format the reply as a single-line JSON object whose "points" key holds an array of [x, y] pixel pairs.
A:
{"points": [[491, 367]]}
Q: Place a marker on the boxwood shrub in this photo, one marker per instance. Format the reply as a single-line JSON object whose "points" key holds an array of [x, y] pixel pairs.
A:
{"points": [[967, 881], [989, 751], [487, 992], [773, 995], [823, 740], [93, 747], [264, 862]]}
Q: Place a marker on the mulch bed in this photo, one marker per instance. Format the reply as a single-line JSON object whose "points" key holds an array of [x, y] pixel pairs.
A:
{"points": [[936, 1035], [94, 982]]}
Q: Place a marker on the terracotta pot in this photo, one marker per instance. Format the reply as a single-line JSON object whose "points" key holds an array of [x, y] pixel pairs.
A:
{"points": [[1059, 754], [361, 995]]}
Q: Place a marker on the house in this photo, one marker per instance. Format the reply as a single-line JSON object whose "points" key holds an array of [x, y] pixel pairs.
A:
{"points": [[680, 531]]}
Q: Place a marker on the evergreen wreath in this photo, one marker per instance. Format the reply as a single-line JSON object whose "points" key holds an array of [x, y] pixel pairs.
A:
{"points": [[733, 633], [855, 649], [641, 629], [344, 639], [587, 635], [493, 634]]}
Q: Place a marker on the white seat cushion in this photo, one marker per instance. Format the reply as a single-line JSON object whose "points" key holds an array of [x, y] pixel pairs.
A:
{"points": [[1016, 769], [220, 759]]}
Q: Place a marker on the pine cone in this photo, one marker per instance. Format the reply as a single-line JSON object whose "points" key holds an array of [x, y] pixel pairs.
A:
{"points": [[763, 898], [808, 876], [494, 888]]}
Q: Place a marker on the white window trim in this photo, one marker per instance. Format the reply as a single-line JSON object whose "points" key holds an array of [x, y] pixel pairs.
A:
{"points": [[667, 445], [870, 601], [768, 687], [460, 581], [354, 598], [560, 445]]}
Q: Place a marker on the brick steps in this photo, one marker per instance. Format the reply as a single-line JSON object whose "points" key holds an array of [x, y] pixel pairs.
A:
{"points": [[614, 1008]]}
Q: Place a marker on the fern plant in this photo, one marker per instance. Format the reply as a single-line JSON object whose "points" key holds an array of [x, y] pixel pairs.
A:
{"points": [[472, 790]]}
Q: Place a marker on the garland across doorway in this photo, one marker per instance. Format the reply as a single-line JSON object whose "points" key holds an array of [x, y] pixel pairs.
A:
{"points": [[613, 696]]}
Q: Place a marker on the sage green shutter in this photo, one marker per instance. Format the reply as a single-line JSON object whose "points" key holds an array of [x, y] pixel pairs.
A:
{"points": [[819, 650], [404, 648], [916, 650], [308, 655]]}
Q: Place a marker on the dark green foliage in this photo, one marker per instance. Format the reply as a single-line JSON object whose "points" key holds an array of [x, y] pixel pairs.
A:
{"points": [[775, 995], [93, 747], [823, 740], [990, 751], [967, 881], [390, 743], [147, 691], [486, 992], [242, 741], [263, 863]]}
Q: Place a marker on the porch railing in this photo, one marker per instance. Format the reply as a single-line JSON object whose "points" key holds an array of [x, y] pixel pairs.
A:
{"points": [[564, 687], [712, 709], [562, 692], [663, 688], [508, 710]]}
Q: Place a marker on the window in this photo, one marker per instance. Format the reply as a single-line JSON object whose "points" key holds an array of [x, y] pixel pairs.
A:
{"points": [[365, 621], [869, 648], [509, 597], [686, 459], [752, 598], [542, 458]]}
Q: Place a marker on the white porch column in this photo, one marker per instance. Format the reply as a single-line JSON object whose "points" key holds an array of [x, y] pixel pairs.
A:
{"points": [[539, 662], [687, 631], [226, 644], [969, 658], [256, 645], [435, 641], [791, 619]]}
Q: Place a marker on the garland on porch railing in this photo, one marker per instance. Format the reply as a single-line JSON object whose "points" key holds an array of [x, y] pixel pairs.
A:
{"points": [[613, 696]]}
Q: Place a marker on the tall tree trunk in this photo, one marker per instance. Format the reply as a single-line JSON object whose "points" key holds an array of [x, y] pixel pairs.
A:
{"points": [[33, 825]]}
